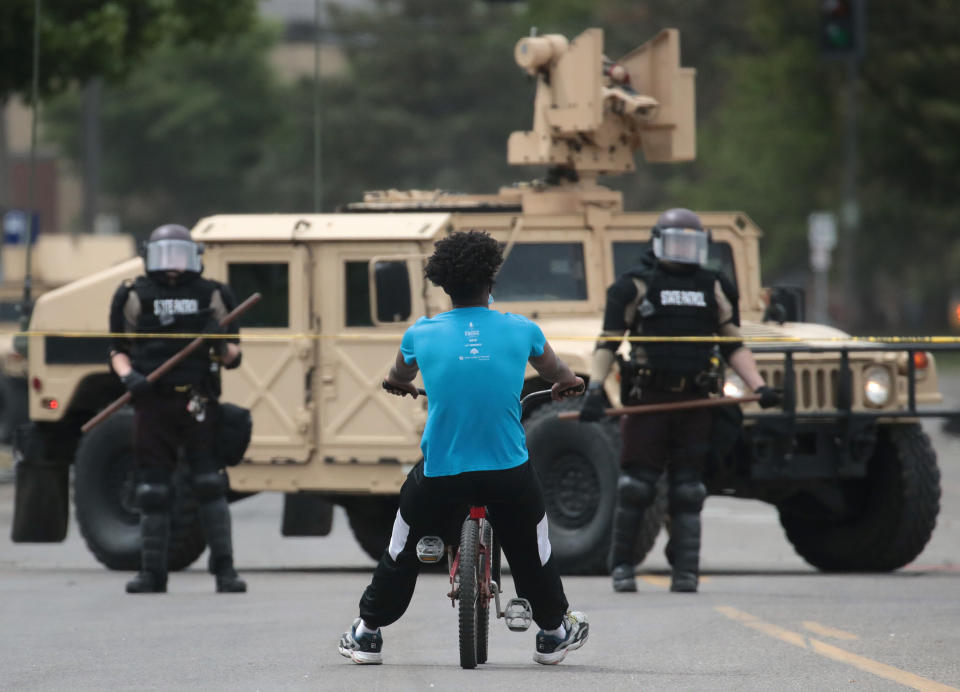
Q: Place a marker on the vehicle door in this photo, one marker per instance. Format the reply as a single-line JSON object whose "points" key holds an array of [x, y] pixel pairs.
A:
{"points": [[280, 348], [359, 422]]}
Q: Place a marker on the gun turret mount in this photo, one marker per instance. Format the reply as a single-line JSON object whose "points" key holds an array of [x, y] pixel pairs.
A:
{"points": [[591, 113]]}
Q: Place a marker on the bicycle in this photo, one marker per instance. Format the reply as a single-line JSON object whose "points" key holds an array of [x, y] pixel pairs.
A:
{"points": [[474, 571]]}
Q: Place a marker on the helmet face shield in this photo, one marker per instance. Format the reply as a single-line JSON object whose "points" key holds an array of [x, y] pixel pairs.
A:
{"points": [[681, 245], [173, 255]]}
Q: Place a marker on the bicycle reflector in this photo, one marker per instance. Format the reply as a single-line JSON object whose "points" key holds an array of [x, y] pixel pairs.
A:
{"points": [[430, 549]]}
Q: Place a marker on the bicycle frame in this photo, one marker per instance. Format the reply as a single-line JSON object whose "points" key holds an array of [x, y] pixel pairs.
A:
{"points": [[488, 586]]}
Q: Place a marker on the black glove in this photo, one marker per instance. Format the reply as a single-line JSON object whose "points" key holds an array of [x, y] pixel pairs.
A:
{"points": [[769, 396], [594, 405], [136, 384], [235, 363]]}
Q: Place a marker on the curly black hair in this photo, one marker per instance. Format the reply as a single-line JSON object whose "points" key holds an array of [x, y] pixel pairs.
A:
{"points": [[465, 263]]}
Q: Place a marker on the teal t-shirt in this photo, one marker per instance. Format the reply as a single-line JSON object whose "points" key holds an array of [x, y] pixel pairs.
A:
{"points": [[472, 361]]}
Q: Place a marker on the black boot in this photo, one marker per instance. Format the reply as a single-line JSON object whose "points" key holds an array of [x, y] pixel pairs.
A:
{"points": [[215, 517], [636, 491], [228, 581], [155, 534], [624, 579], [687, 494]]}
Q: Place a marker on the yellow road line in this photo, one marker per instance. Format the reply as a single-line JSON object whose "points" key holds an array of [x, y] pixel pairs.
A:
{"points": [[660, 580], [868, 665], [826, 631], [656, 580]]}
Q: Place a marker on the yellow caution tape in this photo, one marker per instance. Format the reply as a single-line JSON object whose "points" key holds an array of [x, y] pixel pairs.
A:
{"points": [[287, 336]]}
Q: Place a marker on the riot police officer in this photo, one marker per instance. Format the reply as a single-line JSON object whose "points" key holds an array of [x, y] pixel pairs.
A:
{"points": [[671, 293], [179, 410]]}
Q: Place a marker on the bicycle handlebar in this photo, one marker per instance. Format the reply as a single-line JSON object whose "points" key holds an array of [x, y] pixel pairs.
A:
{"points": [[531, 398]]}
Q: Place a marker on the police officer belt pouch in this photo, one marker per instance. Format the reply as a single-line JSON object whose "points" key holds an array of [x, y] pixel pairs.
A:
{"points": [[695, 382], [630, 383], [233, 433]]}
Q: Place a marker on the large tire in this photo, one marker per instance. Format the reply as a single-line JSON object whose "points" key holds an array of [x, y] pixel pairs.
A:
{"points": [[106, 514], [469, 594], [578, 466], [894, 509], [371, 520]]}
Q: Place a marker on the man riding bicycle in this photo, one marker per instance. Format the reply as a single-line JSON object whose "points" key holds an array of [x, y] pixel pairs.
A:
{"points": [[473, 361]]}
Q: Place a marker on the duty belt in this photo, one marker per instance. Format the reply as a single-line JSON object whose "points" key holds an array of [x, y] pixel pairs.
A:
{"points": [[663, 381], [166, 388]]}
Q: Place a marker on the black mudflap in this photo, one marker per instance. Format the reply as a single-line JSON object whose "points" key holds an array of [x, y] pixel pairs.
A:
{"points": [[41, 506]]}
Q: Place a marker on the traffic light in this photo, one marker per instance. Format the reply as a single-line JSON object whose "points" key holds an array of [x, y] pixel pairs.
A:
{"points": [[842, 27]]}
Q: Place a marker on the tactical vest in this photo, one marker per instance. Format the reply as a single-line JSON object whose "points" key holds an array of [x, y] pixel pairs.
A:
{"points": [[684, 304], [180, 309]]}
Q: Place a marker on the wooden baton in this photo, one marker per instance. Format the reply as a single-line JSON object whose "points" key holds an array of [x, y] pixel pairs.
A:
{"points": [[170, 363], [671, 406]]}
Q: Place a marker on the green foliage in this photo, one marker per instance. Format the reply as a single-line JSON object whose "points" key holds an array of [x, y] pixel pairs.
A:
{"points": [[187, 134], [82, 39], [432, 93], [431, 97], [768, 147]]}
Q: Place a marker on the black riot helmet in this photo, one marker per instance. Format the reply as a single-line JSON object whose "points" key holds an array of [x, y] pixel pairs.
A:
{"points": [[679, 237], [171, 249]]}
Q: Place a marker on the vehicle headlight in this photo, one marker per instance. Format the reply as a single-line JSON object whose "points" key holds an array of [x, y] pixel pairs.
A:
{"points": [[733, 385], [877, 386]]}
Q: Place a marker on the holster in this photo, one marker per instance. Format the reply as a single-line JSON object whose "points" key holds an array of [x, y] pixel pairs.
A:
{"points": [[630, 384], [234, 430]]}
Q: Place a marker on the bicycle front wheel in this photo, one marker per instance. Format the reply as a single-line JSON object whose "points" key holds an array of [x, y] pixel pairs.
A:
{"points": [[469, 598]]}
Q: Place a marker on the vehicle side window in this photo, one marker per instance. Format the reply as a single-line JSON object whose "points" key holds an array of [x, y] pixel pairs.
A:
{"points": [[542, 271], [393, 293], [271, 280], [357, 295]]}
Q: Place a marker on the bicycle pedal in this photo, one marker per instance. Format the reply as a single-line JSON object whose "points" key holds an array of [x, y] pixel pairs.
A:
{"points": [[430, 549], [518, 614]]}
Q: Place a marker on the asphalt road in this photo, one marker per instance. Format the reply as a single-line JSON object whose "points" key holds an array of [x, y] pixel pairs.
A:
{"points": [[763, 619]]}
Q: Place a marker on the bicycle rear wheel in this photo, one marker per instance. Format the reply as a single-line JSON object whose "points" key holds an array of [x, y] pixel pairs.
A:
{"points": [[483, 607], [469, 592]]}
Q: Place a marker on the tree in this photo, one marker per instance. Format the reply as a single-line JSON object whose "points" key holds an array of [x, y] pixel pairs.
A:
{"points": [[430, 99], [187, 133], [83, 39]]}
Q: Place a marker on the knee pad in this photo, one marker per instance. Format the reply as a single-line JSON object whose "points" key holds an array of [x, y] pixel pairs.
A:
{"points": [[687, 496], [210, 486], [636, 492], [153, 497]]}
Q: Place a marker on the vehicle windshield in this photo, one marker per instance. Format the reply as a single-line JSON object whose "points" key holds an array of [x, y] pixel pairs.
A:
{"points": [[542, 271], [627, 254]]}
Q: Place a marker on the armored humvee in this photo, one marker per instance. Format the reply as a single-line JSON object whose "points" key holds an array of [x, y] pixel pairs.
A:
{"points": [[845, 461], [56, 259]]}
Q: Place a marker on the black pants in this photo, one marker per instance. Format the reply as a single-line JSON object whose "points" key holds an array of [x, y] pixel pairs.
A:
{"points": [[678, 439], [162, 424], [431, 505]]}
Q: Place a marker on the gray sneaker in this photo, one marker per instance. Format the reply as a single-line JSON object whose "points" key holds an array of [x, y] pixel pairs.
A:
{"points": [[551, 650], [364, 649]]}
